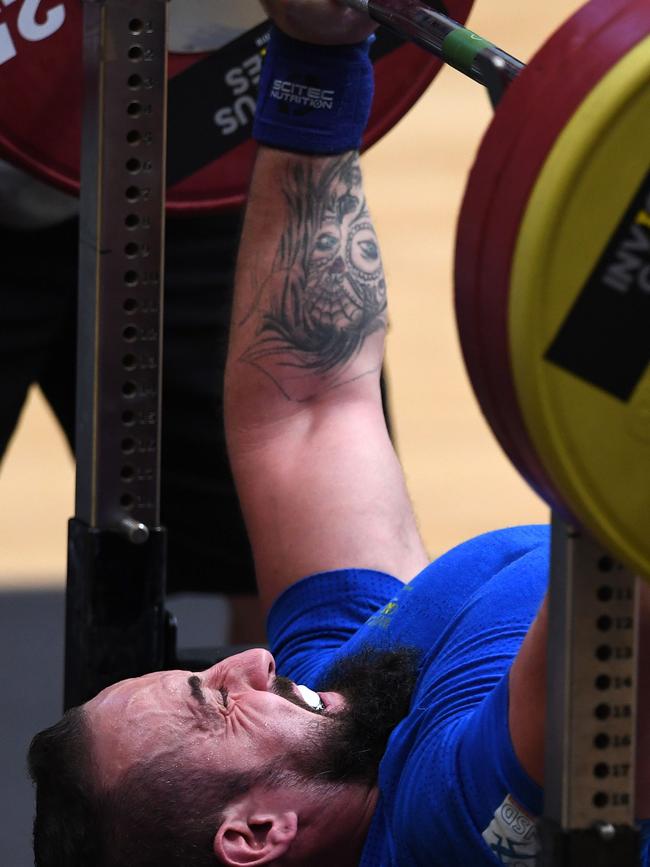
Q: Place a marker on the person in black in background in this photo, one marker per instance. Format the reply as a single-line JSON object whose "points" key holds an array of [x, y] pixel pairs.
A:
{"points": [[38, 285]]}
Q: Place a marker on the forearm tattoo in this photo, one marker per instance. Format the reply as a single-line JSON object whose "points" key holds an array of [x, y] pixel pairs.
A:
{"points": [[326, 293]]}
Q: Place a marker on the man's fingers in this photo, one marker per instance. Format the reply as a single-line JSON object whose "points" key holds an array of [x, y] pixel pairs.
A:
{"points": [[329, 22]]}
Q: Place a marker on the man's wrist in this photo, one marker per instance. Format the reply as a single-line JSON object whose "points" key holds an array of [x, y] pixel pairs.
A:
{"points": [[314, 99]]}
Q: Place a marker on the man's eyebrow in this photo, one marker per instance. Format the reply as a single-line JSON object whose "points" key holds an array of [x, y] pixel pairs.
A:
{"points": [[194, 682]]}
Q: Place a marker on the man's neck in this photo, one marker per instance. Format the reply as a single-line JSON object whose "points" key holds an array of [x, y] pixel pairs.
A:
{"points": [[334, 829]]}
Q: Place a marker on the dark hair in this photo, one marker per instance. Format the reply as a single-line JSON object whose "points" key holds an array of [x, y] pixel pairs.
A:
{"points": [[160, 813], [165, 814], [60, 765]]}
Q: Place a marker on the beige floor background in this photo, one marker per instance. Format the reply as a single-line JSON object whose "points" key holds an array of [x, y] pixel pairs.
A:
{"points": [[460, 481]]}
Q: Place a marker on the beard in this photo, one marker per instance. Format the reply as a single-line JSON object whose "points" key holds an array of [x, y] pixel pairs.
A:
{"points": [[347, 746]]}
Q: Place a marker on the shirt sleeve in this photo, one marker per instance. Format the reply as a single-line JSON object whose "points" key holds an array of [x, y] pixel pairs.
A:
{"points": [[462, 792], [645, 842], [502, 801], [315, 617]]}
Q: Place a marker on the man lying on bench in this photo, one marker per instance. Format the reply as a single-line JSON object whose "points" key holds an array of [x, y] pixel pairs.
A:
{"points": [[399, 719]]}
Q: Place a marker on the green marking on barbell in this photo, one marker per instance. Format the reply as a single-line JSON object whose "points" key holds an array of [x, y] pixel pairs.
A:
{"points": [[461, 47]]}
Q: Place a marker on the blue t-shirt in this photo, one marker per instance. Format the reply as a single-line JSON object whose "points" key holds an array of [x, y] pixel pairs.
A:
{"points": [[451, 788]]}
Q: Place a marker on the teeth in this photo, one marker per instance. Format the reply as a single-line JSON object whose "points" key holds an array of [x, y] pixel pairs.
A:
{"points": [[311, 698]]}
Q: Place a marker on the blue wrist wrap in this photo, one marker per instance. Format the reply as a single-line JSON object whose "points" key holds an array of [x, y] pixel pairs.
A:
{"points": [[313, 99]]}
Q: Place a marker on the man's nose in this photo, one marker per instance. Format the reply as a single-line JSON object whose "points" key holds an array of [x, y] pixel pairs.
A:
{"points": [[255, 667]]}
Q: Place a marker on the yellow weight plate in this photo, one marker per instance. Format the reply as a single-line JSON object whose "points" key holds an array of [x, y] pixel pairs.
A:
{"points": [[579, 312]]}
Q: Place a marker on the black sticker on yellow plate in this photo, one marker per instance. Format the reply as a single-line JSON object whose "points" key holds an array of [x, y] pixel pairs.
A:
{"points": [[605, 339]]}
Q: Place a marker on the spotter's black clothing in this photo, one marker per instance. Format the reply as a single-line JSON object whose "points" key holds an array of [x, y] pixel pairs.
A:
{"points": [[207, 544]]}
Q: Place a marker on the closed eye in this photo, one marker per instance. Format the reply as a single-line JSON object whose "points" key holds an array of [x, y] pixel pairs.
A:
{"points": [[224, 695]]}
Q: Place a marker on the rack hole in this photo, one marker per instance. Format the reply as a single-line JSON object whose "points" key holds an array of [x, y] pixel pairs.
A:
{"points": [[129, 389], [601, 799], [130, 362], [602, 711], [128, 418], [136, 53], [132, 193], [134, 81], [130, 305], [601, 741], [604, 623], [605, 593], [127, 501], [603, 682], [131, 278], [133, 137], [128, 446], [601, 770], [131, 249], [130, 333], [136, 26], [127, 474], [133, 166], [605, 564], [603, 652], [134, 109], [132, 221]]}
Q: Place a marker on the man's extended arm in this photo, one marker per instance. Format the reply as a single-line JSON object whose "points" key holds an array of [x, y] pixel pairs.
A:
{"points": [[318, 479]]}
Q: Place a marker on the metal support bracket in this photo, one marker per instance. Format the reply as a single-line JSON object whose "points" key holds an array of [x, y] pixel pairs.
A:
{"points": [[121, 266], [591, 707], [115, 617], [115, 623]]}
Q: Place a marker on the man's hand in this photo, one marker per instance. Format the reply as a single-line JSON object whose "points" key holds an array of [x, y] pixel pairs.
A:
{"points": [[328, 22]]}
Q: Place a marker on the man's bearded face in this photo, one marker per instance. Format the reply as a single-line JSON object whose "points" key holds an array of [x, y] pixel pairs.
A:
{"points": [[239, 717], [377, 688]]}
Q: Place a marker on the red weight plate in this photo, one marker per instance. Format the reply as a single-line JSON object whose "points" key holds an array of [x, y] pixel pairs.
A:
{"points": [[527, 123], [211, 99]]}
